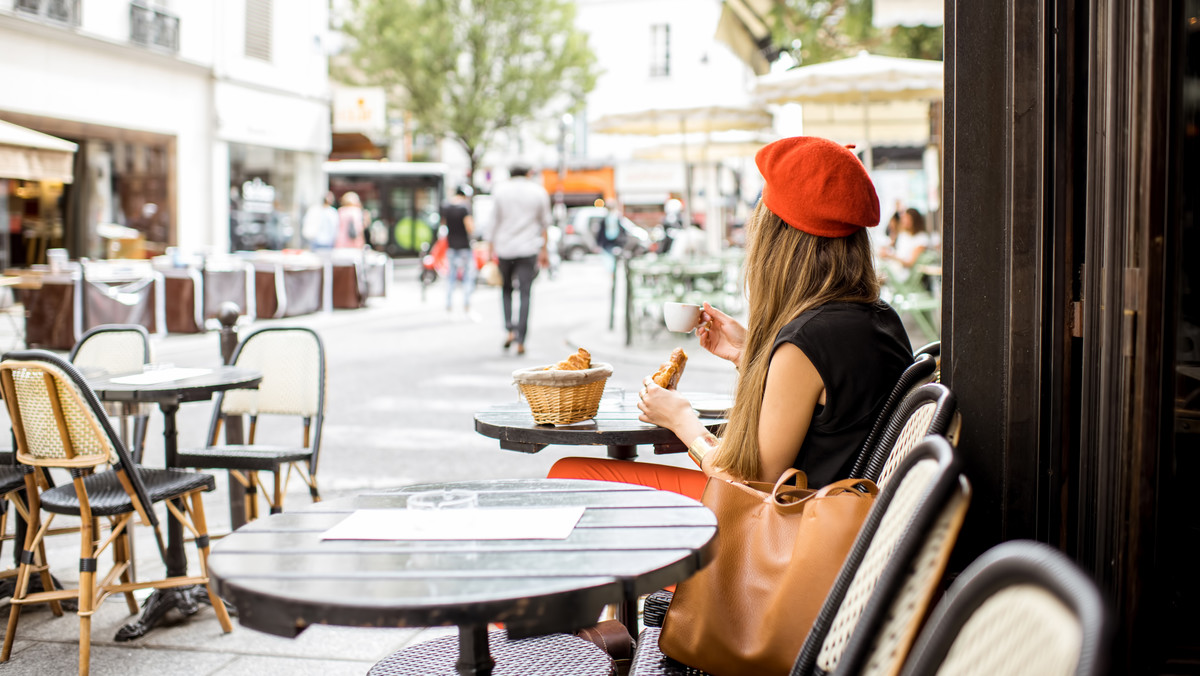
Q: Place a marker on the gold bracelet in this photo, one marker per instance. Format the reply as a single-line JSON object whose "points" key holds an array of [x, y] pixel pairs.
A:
{"points": [[702, 446]]}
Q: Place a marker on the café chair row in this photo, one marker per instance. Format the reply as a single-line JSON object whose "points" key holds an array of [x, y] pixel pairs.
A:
{"points": [[59, 423]]}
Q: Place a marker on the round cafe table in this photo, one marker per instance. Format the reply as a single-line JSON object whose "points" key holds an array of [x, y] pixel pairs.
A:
{"points": [[283, 575], [615, 425]]}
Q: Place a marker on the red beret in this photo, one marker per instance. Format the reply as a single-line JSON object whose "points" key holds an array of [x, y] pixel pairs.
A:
{"points": [[817, 186]]}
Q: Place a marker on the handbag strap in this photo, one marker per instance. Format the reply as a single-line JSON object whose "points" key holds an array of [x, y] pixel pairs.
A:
{"points": [[856, 485]]}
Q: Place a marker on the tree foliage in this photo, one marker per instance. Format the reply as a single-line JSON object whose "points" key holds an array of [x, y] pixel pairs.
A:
{"points": [[470, 69], [813, 31]]}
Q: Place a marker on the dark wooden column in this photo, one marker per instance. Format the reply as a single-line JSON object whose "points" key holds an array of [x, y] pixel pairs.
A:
{"points": [[999, 243]]}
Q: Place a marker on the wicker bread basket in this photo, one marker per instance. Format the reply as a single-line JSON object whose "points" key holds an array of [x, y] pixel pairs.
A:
{"points": [[562, 397]]}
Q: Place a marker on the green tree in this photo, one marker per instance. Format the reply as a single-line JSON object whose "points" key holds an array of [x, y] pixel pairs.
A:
{"points": [[813, 31], [469, 69]]}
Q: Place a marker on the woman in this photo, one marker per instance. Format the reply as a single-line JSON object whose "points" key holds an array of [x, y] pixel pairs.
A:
{"points": [[350, 233], [911, 242], [820, 353]]}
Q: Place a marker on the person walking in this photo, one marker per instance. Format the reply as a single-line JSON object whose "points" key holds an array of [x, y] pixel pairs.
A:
{"points": [[350, 223], [321, 224], [456, 216], [518, 241]]}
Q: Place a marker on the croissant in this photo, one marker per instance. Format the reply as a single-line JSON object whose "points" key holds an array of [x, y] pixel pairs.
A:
{"points": [[667, 375], [577, 362]]}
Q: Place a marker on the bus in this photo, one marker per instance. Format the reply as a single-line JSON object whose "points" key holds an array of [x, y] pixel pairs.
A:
{"points": [[403, 200]]}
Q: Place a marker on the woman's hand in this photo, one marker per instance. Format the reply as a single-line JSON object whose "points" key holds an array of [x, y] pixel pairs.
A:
{"points": [[721, 334], [669, 409]]}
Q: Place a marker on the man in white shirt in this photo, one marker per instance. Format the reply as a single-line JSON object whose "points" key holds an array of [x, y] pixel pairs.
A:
{"points": [[521, 216]]}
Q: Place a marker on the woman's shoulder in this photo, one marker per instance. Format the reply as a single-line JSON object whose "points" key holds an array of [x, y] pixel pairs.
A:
{"points": [[833, 315]]}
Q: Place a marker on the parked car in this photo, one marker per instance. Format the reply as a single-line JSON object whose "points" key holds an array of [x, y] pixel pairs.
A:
{"points": [[593, 229]]}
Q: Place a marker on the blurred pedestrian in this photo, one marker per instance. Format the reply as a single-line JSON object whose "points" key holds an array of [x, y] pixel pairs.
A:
{"points": [[350, 233], [321, 224], [518, 240], [456, 216]]}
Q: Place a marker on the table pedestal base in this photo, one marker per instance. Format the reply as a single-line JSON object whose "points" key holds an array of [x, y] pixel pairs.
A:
{"points": [[186, 600], [623, 452]]}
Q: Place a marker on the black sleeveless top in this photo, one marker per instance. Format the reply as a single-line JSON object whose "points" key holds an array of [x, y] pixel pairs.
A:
{"points": [[860, 350]]}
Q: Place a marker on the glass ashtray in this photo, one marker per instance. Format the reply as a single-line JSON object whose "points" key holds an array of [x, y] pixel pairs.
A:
{"points": [[444, 499]]}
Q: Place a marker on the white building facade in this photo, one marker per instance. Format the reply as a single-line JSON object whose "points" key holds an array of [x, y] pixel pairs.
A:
{"points": [[201, 125]]}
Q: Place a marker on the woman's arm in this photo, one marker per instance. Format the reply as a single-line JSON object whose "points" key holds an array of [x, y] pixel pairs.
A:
{"points": [[793, 390]]}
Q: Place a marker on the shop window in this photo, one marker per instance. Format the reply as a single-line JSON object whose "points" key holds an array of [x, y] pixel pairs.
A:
{"points": [[258, 29], [660, 50]]}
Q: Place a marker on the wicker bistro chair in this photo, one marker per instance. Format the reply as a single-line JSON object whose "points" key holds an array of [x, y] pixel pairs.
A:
{"points": [[292, 361], [58, 422], [871, 613], [930, 409], [875, 607], [118, 348], [1020, 608], [919, 373]]}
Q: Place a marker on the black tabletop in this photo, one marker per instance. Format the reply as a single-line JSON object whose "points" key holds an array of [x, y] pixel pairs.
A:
{"points": [[615, 424], [194, 388], [282, 576]]}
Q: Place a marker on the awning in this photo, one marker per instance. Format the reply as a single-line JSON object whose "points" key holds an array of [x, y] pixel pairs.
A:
{"points": [[743, 27], [33, 156]]}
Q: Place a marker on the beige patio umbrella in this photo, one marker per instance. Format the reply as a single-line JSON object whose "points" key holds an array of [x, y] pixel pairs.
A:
{"points": [[862, 80], [702, 120]]}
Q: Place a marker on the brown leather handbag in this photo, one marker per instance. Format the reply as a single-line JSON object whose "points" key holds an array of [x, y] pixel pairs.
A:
{"points": [[778, 550]]}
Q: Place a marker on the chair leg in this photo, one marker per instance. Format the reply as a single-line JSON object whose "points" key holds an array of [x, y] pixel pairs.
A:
{"points": [[277, 497], [251, 496], [201, 525], [87, 586], [140, 424], [312, 485], [122, 553], [14, 613], [87, 583]]}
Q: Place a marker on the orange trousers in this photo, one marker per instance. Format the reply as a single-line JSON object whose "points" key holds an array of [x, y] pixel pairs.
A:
{"points": [[689, 482]]}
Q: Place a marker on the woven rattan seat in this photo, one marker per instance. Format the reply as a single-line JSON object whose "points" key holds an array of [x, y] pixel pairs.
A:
{"points": [[553, 655], [107, 497], [11, 479], [246, 457], [292, 363]]}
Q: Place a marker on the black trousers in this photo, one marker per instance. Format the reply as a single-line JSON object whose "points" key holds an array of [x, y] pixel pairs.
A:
{"points": [[523, 270]]}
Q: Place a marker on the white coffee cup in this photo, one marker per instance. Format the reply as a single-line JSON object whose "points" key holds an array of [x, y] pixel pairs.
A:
{"points": [[682, 317]]}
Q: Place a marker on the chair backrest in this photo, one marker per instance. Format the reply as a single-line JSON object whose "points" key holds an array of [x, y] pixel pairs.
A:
{"points": [[917, 374], [116, 348], [292, 361], [1020, 608], [933, 349], [57, 420], [927, 410], [893, 569]]}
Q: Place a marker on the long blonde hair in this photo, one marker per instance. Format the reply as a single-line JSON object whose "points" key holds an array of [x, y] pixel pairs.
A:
{"points": [[787, 273]]}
